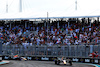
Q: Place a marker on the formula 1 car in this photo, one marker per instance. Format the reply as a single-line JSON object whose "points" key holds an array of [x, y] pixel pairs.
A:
{"points": [[16, 57], [22, 58], [63, 60]]}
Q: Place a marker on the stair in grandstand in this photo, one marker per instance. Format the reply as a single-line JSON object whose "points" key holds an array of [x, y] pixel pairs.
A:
{"points": [[29, 32], [35, 32]]}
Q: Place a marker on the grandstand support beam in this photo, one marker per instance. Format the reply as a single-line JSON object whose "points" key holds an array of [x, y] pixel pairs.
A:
{"points": [[45, 24], [68, 24], [89, 21], [76, 20], [58, 24], [25, 24], [98, 19], [10, 25]]}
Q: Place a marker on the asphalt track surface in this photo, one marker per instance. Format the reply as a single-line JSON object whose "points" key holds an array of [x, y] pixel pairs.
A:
{"points": [[41, 64]]}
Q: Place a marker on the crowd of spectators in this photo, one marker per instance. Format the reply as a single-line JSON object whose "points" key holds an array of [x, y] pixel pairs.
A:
{"points": [[74, 34]]}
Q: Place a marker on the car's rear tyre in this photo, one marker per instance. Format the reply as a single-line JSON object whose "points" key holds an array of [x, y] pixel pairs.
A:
{"points": [[55, 61], [70, 62], [58, 62]]}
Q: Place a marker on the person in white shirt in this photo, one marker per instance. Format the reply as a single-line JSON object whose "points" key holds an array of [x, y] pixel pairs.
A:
{"points": [[76, 42]]}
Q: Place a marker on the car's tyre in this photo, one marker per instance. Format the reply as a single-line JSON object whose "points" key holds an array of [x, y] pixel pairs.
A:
{"points": [[55, 61], [58, 62], [70, 62]]}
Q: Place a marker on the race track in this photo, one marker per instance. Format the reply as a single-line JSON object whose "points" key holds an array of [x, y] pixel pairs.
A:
{"points": [[41, 64]]}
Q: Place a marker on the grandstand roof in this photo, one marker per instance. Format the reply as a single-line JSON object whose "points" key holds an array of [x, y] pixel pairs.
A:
{"points": [[43, 15]]}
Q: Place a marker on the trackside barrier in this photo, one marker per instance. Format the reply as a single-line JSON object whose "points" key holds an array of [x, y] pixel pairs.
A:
{"points": [[77, 53], [74, 59], [51, 51]]}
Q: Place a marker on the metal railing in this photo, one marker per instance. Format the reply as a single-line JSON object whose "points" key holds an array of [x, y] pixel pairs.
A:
{"points": [[53, 51]]}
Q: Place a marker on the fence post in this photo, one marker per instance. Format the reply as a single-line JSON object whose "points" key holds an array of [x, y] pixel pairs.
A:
{"points": [[99, 51], [77, 50], [0, 50], [68, 51], [85, 50], [0, 47]]}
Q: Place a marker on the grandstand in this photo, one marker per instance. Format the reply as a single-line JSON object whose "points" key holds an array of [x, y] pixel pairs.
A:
{"points": [[76, 38], [67, 32]]}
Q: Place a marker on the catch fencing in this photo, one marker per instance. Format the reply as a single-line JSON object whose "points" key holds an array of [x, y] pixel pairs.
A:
{"points": [[51, 51]]}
